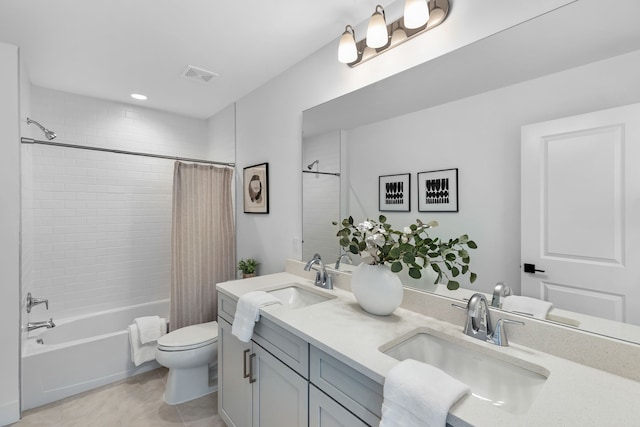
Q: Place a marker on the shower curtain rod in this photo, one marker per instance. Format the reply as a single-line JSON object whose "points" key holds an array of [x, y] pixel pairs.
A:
{"points": [[133, 153], [322, 173]]}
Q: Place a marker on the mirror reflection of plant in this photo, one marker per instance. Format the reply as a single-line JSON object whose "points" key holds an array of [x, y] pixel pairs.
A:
{"points": [[378, 243]]}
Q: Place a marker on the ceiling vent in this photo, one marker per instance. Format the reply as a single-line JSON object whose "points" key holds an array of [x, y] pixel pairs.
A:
{"points": [[199, 74]]}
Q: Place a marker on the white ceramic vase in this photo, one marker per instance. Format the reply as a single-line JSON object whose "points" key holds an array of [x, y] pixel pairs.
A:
{"points": [[376, 288]]}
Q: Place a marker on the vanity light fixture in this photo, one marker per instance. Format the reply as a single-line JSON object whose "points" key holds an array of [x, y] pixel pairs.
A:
{"points": [[377, 33], [419, 16], [416, 13], [138, 96], [347, 51]]}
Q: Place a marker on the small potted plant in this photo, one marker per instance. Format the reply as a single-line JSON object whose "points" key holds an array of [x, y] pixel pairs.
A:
{"points": [[248, 267]]}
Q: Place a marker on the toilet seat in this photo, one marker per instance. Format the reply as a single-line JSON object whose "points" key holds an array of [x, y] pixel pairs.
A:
{"points": [[189, 337]]}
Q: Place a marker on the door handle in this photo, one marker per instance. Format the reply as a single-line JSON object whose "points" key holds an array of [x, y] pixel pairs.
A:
{"points": [[531, 268]]}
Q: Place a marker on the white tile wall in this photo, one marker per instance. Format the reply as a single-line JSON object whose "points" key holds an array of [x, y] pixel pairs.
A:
{"points": [[95, 122], [102, 221], [320, 194]]}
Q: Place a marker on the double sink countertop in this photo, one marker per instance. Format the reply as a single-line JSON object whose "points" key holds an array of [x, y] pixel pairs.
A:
{"points": [[572, 395]]}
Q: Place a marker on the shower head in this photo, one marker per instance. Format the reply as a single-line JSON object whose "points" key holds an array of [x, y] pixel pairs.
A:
{"points": [[49, 134], [311, 165]]}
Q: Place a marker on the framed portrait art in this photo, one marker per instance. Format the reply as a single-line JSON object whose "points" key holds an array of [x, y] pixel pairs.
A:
{"points": [[256, 188], [438, 191], [394, 193]]}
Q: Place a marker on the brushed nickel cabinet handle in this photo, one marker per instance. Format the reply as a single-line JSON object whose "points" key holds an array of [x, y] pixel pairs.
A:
{"points": [[244, 363], [251, 379]]}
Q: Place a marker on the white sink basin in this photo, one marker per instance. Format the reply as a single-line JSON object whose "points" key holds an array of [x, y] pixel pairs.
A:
{"points": [[296, 296], [492, 377]]}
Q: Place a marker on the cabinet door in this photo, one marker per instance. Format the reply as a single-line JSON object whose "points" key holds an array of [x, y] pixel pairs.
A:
{"points": [[280, 396], [326, 412], [234, 390]]}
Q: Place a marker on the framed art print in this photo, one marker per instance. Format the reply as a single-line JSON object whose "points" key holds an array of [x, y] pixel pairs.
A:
{"points": [[256, 188], [394, 193], [438, 191]]}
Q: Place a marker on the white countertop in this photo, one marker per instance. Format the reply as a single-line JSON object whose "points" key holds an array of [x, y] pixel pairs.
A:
{"points": [[573, 395]]}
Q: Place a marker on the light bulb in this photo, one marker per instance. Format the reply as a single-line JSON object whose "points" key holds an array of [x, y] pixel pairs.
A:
{"points": [[347, 49], [416, 13], [377, 35]]}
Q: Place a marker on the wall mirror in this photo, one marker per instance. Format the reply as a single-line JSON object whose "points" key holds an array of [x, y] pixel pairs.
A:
{"points": [[465, 110]]}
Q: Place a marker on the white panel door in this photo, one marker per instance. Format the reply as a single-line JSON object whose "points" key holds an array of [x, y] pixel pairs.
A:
{"points": [[581, 213]]}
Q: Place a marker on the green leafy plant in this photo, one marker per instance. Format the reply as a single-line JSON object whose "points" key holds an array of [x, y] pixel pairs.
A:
{"points": [[378, 243], [247, 266]]}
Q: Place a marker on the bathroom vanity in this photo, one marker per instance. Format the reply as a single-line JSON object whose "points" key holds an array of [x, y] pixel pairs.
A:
{"points": [[319, 359]]}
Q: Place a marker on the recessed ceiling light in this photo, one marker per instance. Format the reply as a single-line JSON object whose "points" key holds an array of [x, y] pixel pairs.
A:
{"points": [[138, 96]]}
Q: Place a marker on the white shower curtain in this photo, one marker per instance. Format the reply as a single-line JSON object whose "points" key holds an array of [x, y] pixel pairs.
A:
{"points": [[202, 239]]}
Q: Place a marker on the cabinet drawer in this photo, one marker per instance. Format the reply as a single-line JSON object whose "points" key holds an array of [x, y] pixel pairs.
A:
{"points": [[353, 390], [284, 345], [226, 307]]}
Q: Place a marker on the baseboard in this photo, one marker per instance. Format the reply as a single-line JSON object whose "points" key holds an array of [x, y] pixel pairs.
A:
{"points": [[9, 413]]}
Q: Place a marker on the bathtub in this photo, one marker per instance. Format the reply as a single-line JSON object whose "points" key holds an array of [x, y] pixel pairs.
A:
{"points": [[82, 353]]}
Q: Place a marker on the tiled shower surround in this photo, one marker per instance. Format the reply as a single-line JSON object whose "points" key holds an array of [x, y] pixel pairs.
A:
{"points": [[96, 225]]}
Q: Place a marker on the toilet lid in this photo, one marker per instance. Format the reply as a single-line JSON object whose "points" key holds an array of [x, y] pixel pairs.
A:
{"points": [[189, 337]]}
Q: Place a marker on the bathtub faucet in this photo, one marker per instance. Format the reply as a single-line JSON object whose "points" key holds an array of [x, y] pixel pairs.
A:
{"points": [[35, 325], [31, 301]]}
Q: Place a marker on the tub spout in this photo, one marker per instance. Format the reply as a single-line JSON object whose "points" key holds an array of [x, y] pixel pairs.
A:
{"points": [[35, 325]]}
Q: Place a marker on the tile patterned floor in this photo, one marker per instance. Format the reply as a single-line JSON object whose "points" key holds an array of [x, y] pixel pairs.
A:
{"points": [[134, 402]]}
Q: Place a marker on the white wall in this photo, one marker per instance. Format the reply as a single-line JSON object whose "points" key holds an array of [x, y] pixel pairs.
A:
{"points": [[102, 221], [221, 131], [480, 135], [9, 234]]}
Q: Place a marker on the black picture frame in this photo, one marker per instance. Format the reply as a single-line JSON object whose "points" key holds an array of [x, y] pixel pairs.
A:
{"points": [[438, 191], [255, 187], [394, 193]]}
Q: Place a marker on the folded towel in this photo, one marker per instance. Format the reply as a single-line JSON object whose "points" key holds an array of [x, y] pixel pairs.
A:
{"points": [[149, 328], [532, 306], [417, 394], [141, 353], [248, 313]]}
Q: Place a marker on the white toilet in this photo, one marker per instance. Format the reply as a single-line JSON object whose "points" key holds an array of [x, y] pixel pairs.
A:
{"points": [[191, 354]]}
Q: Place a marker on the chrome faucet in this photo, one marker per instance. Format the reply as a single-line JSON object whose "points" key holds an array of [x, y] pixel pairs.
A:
{"points": [[323, 278], [35, 325], [479, 325], [500, 291], [350, 261], [31, 301]]}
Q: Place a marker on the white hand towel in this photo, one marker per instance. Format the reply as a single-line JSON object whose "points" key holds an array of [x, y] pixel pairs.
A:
{"points": [[141, 353], [149, 328], [533, 306], [248, 313], [417, 394]]}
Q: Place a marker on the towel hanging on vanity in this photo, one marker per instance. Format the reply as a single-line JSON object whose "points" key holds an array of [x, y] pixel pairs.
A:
{"points": [[248, 313], [417, 395]]}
